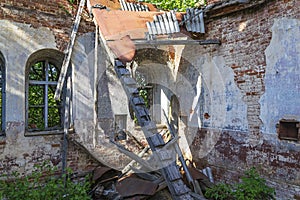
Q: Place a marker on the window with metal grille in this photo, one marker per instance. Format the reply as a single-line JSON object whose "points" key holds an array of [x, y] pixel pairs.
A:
{"points": [[2, 94], [289, 130], [43, 111]]}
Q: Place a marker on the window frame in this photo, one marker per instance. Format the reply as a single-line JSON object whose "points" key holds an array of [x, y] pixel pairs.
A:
{"points": [[288, 129], [54, 58]]}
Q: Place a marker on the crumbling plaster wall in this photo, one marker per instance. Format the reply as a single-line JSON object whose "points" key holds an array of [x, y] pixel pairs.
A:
{"points": [[260, 52], [192, 79], [282, 79], [18, 42]]}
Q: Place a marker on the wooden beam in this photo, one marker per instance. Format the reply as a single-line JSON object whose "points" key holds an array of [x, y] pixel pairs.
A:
{"points": [[68, 55], [134, 157]]}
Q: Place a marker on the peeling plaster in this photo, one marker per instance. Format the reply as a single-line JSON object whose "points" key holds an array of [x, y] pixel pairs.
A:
{"points": [[282, 80], [17, 42], [221, 98]]}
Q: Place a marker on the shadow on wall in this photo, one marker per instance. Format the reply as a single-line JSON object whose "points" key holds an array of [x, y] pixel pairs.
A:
{"points": [[104, 106]]}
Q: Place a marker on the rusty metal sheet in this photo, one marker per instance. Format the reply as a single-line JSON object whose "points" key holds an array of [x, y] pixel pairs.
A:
{"points": [[131, 186], [120, 28], [99, 172], [116, 24], [196, 174], [123, 48]]}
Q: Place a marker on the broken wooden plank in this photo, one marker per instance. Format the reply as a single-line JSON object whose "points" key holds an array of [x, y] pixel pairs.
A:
{"points": [[135, 140], [143, 174], [133, 156], [193, 183], [127, 167]]}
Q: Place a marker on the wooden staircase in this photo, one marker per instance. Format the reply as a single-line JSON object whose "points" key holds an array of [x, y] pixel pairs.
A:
{"points": [[164, 153]]}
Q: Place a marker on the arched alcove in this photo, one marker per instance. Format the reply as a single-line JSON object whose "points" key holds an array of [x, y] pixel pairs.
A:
{"points": [[157, 67]]}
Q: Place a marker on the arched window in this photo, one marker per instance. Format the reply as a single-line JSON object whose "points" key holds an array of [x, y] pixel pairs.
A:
{"points": [[2, 93], [44, 113]]}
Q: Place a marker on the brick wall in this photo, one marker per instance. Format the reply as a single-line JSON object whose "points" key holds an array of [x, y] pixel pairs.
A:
{"points": [[245, 35], [277, 162], [50, 151], [57, 15]]}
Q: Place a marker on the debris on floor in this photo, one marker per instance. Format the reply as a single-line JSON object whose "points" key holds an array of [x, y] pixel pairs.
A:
{"points": [[141, 180], [110, 184]]}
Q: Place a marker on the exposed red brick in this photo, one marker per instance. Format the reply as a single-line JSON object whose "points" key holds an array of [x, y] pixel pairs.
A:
{"points": [[55, 145], [58, 15], [240, 81], [243, 49]]}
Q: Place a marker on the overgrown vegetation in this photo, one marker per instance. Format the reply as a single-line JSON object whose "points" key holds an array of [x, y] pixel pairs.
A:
{"points": [[43, 184], [251, 187], [73, 1], [178, 5]]}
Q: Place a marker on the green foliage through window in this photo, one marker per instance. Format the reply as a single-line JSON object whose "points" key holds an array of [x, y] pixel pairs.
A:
{"points": [[43, 110], [142, 83]]}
